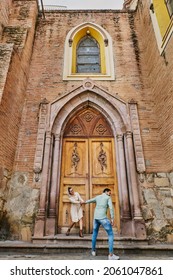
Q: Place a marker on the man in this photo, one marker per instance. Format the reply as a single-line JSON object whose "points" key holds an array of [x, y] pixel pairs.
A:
{"points": [[103, 201]]}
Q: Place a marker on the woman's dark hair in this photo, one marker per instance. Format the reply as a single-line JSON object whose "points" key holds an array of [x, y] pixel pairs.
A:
{"points": [[69, 188]]}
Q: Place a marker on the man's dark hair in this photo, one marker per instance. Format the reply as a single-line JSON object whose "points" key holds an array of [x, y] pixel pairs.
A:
{"points": [[106, 190]]}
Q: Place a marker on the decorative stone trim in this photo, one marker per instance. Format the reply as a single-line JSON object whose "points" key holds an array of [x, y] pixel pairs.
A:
{"points": [[140, 163], [90, 92], [38, 162], [88, 84], [116, 112]]}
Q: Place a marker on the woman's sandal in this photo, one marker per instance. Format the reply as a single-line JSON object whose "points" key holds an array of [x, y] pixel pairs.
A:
{"points": [[81, 233], [68, 232]]}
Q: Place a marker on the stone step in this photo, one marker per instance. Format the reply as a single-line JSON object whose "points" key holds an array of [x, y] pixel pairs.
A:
{"points": [[73, 244], [76, 241], [127, 249]]}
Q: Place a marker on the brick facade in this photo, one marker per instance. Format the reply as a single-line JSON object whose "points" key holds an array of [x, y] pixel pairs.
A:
{"points": [[50, 37], [31, 71], [4, 13], [157, 79], [16, 44]]}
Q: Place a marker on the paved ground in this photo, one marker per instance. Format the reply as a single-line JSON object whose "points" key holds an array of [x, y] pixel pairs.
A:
{"points": [[83, 256]]}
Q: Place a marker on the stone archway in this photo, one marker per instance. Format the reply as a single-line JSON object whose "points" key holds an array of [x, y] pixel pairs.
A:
{"points": [[123, 125], [88, 165]]}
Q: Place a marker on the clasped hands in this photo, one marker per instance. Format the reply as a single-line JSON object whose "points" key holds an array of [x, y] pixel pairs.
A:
{"points": [[82, 202]]}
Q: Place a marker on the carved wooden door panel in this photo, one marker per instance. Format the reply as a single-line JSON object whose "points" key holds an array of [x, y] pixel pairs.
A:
{"points": [[74, 174], [103, 174], [88, 165]]}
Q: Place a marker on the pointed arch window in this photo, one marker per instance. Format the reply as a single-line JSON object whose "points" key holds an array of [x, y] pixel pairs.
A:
{"points": [[88, 56], [88, 53]]}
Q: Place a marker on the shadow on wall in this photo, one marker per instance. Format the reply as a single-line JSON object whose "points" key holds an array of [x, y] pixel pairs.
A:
{"points": [[4, 226]]}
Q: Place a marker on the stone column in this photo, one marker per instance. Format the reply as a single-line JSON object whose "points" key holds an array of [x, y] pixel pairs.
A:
{"points": [[126, 220], [123, 178], [39, 152], [39, 229], [133, 178], [51, 220]]}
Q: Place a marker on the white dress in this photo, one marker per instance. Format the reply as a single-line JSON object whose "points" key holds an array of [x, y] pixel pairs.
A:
{"points": [[76, 208]]}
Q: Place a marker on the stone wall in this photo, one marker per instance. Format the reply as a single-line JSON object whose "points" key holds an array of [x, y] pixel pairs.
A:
{"points": [[157, 201], [21, 218]]}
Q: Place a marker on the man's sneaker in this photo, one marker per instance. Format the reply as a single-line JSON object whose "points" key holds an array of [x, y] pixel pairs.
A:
{"points": [[113, 257], [93, 253]]}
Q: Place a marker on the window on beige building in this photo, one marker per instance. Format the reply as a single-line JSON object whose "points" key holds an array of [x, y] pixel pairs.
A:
{"points": [[161, 12], [169, 5]]}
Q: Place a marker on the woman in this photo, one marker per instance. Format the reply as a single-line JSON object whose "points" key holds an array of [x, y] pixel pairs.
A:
{"points": [[76, 210]]}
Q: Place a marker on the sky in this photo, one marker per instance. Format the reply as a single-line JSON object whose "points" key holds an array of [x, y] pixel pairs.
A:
{"points": [[86, 4]]}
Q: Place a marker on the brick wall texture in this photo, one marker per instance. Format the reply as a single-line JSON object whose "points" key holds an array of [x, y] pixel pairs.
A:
{"points": [[15, 52], [158, 85], [5, 6], [139, 69]]}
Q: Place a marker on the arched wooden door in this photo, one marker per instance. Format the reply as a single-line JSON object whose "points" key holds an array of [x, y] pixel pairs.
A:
{"points": [[88, 165]]}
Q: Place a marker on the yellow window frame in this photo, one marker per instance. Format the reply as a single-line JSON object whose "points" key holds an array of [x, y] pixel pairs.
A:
{"points": [[97, 36]]}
